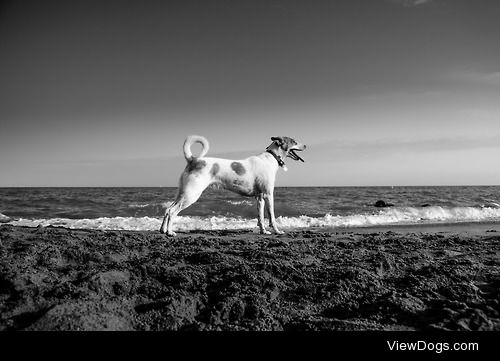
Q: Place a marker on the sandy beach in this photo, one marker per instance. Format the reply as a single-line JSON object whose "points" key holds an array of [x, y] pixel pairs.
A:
{"points": [[363, 279]]}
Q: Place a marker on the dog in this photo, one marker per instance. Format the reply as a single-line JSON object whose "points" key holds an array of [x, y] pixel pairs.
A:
{"points": [[250, 177]]}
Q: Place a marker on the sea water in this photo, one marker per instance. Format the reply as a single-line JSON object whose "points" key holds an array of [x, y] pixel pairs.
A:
{"points": [[295, 207]]}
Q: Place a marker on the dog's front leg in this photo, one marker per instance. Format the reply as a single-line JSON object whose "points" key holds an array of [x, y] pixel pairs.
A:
{"points": [[270, 211], [260, 221]]}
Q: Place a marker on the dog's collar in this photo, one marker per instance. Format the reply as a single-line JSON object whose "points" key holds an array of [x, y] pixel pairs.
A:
{"points": [[277, 157]]}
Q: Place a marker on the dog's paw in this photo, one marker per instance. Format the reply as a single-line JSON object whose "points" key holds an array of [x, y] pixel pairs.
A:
{"points": [[277, 231], [171, 234], [265, 232]]}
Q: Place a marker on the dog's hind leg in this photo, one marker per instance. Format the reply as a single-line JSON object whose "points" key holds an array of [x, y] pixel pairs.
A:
{"points": [[166, 216], [163, 228], [170, 214], [190, 194]]}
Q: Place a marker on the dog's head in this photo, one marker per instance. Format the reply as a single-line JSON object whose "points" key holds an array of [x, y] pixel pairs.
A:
{"points": [[289, 146]]}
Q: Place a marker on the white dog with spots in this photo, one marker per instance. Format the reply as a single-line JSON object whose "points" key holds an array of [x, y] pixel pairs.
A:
{"points": [[250, 177]]}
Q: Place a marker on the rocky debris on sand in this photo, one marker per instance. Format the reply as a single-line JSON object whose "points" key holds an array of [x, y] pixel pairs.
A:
{"points": [[381, 204]]}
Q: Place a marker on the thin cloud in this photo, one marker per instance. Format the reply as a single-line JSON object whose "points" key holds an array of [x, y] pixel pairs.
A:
{"points": [[420, 2], [411, 3], [474, 77], [387, 147]]}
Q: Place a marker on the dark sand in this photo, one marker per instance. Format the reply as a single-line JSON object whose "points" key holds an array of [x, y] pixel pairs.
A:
{"points": [[407, 279]]}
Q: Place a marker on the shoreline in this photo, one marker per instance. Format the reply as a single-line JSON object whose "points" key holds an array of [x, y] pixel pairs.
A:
{"points": [[443, 277], [444, 227]]}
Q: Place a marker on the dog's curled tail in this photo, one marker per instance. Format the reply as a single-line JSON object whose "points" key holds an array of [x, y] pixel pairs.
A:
{"points": [[190, 140]]}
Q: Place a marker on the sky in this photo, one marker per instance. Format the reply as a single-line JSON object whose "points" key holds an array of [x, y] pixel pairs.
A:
{"points": [[382, 92]]}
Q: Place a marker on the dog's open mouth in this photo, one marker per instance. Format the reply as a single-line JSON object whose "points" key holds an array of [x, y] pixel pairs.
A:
{"points": [[293, 155]]}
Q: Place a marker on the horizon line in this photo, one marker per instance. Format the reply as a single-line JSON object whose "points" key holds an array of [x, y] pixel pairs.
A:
{"points": [[289, 186]]}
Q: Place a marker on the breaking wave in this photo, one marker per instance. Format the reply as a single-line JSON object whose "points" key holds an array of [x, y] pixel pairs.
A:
{"points": [[392, 216], [4, 218]]}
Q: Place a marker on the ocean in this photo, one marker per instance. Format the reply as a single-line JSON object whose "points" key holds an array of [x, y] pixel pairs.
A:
{"points": [[295, 207]]}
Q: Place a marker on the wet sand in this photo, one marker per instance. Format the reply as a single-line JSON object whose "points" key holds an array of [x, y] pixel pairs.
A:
{"points": [[368, 279]]}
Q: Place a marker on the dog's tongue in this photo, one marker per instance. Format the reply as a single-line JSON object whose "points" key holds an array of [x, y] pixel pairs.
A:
{"points": [[296, 155]]}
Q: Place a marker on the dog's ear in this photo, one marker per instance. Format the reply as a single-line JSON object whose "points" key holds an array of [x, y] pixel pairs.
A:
{"points": [[277, 140]]}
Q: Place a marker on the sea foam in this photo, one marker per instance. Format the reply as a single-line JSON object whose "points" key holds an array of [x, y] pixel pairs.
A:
{"points": [[391, 216], [4, 218]]}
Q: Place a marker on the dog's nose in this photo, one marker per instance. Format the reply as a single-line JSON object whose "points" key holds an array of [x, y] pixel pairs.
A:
{"points": [[305, 146]]}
